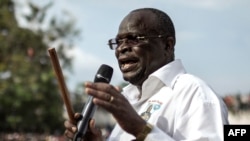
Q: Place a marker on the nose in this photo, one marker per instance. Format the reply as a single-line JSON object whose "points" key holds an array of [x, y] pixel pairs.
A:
{"points": [[123, 47]]}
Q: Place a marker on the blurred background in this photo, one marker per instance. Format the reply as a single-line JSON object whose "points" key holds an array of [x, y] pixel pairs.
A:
{"points": [[213, 42]]}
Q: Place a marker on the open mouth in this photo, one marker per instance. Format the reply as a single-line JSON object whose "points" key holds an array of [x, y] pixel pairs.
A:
{"points": [[128, 64]]}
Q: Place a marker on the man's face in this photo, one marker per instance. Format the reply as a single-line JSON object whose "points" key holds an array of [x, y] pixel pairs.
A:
{"points": [[137, 60]]}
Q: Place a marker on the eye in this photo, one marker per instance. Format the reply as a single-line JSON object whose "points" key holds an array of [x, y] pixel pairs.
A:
{"points": [[119, 41], [133, 39]]}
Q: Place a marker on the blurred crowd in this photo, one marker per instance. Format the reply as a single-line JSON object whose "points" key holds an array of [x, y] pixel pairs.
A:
{"points": [[30, 137], [237, 103], [43, 137]]}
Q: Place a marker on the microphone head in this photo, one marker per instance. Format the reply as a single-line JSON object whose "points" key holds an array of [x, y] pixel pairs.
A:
{"points": [[104, 74]]}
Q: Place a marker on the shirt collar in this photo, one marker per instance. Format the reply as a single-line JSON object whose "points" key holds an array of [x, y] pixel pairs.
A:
{"points": [[166, 74]]}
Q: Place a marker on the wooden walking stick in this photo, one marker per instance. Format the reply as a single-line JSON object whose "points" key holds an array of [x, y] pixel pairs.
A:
{"points": [[62, 84]]}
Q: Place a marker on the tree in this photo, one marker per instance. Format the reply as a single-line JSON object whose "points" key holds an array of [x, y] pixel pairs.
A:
{"points": [[29, 96]]}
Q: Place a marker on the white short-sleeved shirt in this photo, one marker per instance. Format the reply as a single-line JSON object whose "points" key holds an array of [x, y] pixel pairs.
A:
{"points": [[180, 106]]}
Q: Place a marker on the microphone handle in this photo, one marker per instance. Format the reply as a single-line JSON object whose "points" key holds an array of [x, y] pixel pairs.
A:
{"points": [[87, 114], [104, 74]]}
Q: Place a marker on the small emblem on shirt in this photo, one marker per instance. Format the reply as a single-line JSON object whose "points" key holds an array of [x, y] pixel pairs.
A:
{"points": [[146, 115], [152, 107]]}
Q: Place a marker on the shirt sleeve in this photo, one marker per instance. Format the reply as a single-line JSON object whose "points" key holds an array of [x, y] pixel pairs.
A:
{"points": [[200, 117]]}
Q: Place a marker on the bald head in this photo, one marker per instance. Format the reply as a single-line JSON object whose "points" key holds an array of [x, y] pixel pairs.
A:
{"points": [[150, 21]]}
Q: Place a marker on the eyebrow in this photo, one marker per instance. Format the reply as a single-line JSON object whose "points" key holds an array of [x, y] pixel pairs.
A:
{"points": [[129, 34]]}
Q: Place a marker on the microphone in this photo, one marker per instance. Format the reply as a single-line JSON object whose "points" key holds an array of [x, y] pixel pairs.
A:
{"points": [[104, 74]]}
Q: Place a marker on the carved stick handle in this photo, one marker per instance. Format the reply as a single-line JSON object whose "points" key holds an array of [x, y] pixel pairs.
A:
{"points": [[62, 85]]}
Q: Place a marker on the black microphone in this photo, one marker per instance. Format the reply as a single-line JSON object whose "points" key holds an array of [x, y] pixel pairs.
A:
{"points": [[104, 74]]}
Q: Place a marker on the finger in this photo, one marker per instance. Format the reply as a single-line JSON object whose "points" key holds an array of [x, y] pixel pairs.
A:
{"points": [[105, 95], [69, 134], [111, 105], [102, 95], [70, 127], [105, 87], [93, 129], [118, 88], [78, 116]]}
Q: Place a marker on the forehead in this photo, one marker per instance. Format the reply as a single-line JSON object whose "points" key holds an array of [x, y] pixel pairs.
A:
{"points": [[140, 22]]}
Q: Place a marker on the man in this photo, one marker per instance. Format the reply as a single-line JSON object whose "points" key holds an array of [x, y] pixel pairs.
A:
{"points": [[162, 101]]}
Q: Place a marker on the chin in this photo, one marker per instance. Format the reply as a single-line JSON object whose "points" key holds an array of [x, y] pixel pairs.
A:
{"points": [[133, 78]]}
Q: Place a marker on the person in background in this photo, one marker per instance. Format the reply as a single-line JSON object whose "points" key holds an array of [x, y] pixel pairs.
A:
{"points": [[162, 102]]}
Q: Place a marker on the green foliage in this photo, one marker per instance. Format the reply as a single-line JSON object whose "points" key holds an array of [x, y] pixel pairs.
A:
{"points": [[29, 96]]}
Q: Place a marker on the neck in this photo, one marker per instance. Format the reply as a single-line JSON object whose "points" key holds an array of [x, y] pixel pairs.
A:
{"points": [[140, 91]]}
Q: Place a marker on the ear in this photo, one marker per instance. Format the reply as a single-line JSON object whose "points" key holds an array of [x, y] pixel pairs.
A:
{"points": [[170, 42]]}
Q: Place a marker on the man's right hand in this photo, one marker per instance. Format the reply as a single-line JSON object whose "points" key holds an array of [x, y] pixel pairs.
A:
{"points": [[92, 134]]}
